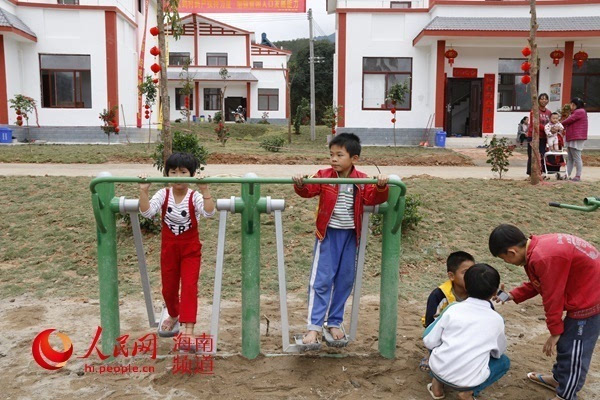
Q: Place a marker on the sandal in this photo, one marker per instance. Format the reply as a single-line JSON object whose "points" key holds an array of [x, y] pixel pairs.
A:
{"points": [[424, 364], [433, 396], [537, 378]]}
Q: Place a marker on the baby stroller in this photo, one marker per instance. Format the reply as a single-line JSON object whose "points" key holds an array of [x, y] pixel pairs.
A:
{"points": [[555, 162]]}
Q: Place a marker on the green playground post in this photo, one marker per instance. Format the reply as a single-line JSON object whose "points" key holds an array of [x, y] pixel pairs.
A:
{"points": [[390, 263], [106, 231], [250, 271]]}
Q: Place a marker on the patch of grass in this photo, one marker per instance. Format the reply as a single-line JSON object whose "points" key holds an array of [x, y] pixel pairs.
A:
{"points": [[48, 238], [245, 139]]}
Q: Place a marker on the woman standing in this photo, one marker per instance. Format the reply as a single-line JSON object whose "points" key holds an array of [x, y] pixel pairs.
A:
{"points": [[576, 127], [544, 118]]}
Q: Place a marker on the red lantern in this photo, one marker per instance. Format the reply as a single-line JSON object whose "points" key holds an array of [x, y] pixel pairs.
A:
{"points": [[580, 57], [19, 118], [147, 117], [393, 120], [526, 51], [525, 66], [154, 30], [333, 131], [20, 123], [154, 51], [147, 106], [451, 55], [393, 110], [155, 80], [556, 55], [525, 79], [18, 112], [155, 68], [117, 129]]}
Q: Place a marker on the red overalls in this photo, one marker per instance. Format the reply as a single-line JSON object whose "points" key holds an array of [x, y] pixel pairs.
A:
{"points": [[180, 261]]}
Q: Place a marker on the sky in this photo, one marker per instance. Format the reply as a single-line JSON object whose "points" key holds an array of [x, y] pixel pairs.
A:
{"points": [[282, 26]]}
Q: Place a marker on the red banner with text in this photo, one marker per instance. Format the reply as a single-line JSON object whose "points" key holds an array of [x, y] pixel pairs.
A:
{"points": [[242, 6], [489, 90]]}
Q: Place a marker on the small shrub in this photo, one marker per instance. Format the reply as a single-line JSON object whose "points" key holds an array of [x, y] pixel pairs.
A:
{"points": [[411, 219], [498, 152], [222, 132], [147, 225], [264, 119], [185, 143], [302, 113], [218, 117], [273, 143]]}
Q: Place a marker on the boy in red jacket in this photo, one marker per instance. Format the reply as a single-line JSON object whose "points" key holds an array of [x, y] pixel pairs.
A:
{"points": [[339, 218], [565, 271]]}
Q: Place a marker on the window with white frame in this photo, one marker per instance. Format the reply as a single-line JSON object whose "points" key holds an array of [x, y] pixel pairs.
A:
{"points": [[268, 99], [216, 59], [66, 81], [379, 75], [586, 83], [513, 95]]}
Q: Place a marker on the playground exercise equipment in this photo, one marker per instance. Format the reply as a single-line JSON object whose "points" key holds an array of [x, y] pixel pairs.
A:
{"points": [[299, 346], [250, 205], [590, 204]]}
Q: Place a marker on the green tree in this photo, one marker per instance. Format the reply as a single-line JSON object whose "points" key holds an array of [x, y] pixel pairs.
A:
{"points": [[300, 71]]}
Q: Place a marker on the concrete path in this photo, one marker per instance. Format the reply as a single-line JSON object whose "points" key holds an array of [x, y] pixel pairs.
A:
{"points": [[480, 172]]}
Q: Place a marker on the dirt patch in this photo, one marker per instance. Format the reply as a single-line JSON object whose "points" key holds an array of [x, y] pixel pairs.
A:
{"points": [[591, 160], [443, 159], [354, 373]]}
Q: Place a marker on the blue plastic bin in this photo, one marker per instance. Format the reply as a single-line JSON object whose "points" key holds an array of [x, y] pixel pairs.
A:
{"points": [[5, 134], [440, 139]]}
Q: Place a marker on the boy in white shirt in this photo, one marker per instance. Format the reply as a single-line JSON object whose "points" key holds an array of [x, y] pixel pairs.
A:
{"points": [[467, 340]]}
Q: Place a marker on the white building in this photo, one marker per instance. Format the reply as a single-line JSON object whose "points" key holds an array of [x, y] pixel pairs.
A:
{"points": [[256, 73], [79, 57], [379, 43]]}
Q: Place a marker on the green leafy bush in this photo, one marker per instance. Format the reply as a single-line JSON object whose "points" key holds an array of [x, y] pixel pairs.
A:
{"points": [[185, 143], [498, 152], [218, 117], [302, 115], [273, 143], [411, 219]]}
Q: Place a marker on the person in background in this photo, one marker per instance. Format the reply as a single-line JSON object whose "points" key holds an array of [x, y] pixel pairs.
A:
{"points": [[522, 130], [576, 127]]}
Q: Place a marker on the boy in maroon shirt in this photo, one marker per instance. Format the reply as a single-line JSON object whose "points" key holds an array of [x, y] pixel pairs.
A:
{"points": [[565, 271]]}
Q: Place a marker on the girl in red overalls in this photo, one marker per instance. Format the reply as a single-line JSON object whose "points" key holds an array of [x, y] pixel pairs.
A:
{"points": [[180, 255]]}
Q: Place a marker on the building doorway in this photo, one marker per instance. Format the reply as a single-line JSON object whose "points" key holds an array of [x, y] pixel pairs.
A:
{"points": [[463, 107], [231, 104]]}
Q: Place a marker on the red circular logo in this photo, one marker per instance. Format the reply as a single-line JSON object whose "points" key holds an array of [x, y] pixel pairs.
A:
{"points": [[45, 355]]}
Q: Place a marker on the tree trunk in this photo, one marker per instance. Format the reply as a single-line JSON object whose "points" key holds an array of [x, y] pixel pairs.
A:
{"points": [[167, 138], [535, 141]]}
